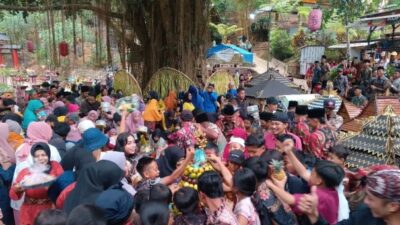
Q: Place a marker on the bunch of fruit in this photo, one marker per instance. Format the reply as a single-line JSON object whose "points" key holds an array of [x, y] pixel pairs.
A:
{"points": [[201, 139], [191, 174]]}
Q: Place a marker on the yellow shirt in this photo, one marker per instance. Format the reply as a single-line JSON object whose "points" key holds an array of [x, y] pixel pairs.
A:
{"points": [[188, 106]]}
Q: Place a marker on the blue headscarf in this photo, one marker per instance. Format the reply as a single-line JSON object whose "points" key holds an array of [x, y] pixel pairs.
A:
{"points": [[30, 112], [197, 99]]}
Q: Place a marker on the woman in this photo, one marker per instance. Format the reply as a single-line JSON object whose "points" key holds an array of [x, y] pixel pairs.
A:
{"points": [[244, 186], [36, 200], [6, 176], [93, 179], [187, 104], [152, 114], [32, 111], [126, 143], [158, 143], [15, 139], [170, 101], [133, 121], [46, 106], [167, 162], [36, 132], [211, 130], [119, 159], [196, 98], [5, 147]]}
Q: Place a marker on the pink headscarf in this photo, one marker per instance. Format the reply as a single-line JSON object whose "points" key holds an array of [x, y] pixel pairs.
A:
{"points": [[36, 132], [106, 99], [92, 115], [5, 147], [132, 123], [58, 104]]}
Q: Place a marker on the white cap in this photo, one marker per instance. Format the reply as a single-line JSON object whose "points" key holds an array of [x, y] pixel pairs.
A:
{"points": [[240, 141], [84, 125]]}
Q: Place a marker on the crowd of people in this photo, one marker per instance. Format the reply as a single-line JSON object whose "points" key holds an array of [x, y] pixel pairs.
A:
{"points": [[115, 165], [357, 81]]}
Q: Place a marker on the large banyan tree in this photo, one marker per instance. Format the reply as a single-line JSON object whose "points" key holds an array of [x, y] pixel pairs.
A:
{"points": [[151, 33]]}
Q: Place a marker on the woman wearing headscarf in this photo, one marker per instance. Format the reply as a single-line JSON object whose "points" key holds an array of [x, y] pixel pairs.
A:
{"points": [[5, 147], [36, 200], [119, 159], [46, 106], [170, 101], [15, 139], [6, 176], [92, 181], [31, 112], [197, 99], [36, 132], [187, 102], [167, 162], [132, 122], [152, 114]]}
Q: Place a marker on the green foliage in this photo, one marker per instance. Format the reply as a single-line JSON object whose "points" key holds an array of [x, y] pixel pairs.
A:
{"points": [[225, 30], [281, 47]]}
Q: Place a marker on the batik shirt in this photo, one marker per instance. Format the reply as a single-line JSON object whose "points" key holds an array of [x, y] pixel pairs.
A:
{"points": [[320, 141], [335, 121], [302, 130]]}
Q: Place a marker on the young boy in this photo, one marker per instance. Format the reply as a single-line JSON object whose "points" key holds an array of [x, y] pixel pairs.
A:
{"points": [[147, 167], [325, 175], [235, 160]]}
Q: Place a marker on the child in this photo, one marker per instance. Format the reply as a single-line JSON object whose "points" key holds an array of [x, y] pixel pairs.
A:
{"points": [[244, 185], [148, 169], [186, 201], [338, 155], [235, 160], [325, 175]]}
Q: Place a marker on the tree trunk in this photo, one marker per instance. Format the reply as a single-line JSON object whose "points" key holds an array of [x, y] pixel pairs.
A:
{"points": [[108, 42], [74, 34], [53, 34], [83, 41], [171, 33]]}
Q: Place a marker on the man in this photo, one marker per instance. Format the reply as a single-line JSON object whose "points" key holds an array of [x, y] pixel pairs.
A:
{"points": [[321, 137], [241, 102], [380, 84], [382, 202], [341, 83], [365, 74], [279, 126], [89, 104], [317, 75], [325, 68], [211, 195], [291, 113], [396, 81], [84, 94], [255, 145], [229, 121], [265, 120], [210, 99], [359, 99], [333, 120], [272, 104], [301, 128]]}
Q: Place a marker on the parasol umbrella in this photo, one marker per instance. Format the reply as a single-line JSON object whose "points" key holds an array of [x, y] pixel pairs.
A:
{"points": [[270, 88]]}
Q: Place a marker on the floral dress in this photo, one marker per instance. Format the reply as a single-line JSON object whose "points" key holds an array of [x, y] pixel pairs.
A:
{"points": [[246, 209], [270, 209]]}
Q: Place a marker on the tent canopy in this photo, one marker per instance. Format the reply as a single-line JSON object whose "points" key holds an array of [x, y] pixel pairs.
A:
{"points": [[226, 52], [270, 88]]}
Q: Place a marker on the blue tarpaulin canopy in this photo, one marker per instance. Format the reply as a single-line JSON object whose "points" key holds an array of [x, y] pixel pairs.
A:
{"points": [[226, 52]]}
